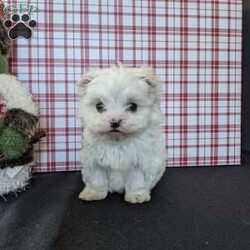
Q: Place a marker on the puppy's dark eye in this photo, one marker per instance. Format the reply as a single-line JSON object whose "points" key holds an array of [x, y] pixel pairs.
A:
{"points": [[132, 107], [100, 107]]}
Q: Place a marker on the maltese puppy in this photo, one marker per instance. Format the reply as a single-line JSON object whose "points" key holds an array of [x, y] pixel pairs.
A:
{"points": [[123, 145]]}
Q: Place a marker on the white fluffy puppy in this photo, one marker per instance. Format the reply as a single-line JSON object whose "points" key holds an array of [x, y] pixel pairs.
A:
{"points": [[123, 145]]}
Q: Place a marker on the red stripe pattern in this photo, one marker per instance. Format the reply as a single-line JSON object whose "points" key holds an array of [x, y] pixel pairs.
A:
{"points": [[194, 47]]}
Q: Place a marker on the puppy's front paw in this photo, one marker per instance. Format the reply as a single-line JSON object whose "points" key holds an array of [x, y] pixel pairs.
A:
{"points": [[137, 197], [89, 194]]}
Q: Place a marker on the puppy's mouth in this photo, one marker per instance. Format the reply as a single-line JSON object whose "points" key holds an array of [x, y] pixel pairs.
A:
{"points": [[115, 131], [114, 134]]}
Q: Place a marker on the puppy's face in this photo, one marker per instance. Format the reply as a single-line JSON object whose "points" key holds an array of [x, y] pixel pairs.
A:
{"points": [[118, 102]]}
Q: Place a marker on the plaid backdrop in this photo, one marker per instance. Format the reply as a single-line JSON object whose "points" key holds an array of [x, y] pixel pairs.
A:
{"points": [[194, 47]]}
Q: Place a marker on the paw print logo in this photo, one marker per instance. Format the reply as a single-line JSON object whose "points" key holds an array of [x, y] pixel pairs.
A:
{"points": [[20, 26]]}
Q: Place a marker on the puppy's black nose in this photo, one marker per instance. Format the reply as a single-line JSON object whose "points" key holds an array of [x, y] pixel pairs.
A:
{"points": [[115, 124]]}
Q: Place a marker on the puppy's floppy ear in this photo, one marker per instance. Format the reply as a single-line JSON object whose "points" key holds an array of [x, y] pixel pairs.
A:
{"points": [[85, 80], [149, 81], [147, 74]]}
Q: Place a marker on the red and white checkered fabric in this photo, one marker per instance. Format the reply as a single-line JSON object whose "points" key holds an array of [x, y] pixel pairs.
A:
{"points": [[194, 47]]}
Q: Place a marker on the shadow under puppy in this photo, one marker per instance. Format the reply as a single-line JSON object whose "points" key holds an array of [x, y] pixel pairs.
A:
{"points": [[123, 144]]}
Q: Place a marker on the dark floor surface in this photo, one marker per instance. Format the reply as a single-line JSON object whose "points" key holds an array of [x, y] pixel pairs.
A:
{"points": [[191, 208]]}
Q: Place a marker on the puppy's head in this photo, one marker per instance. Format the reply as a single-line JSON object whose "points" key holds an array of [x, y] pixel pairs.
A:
{"points": [[119, 102]]}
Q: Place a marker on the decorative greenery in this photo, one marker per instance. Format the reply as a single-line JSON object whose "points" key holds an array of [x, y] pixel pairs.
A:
{"points": [[18, 133], [3, 64], [13, 143]]}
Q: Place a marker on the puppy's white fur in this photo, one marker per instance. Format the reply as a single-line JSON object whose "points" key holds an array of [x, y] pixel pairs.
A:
{"points": [[130, 159]]}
